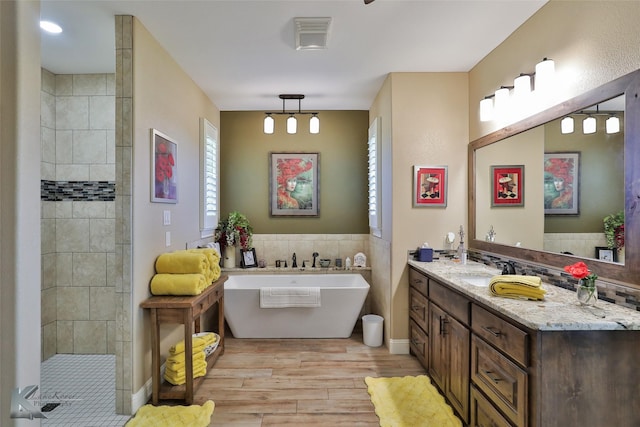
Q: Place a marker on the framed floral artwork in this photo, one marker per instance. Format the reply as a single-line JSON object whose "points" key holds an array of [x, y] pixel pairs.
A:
{"points": [[507, 185], [429, 186], [561, 183], [164, 168], [294, 184]]}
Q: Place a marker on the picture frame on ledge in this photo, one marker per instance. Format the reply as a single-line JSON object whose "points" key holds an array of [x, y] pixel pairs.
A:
{"points": [[607, 254], [248, 258]]}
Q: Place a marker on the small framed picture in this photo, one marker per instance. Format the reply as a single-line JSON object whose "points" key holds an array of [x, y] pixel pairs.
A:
{"points": [[164, 168], [507, 185], [430, 186], [604, 253], [248, 259]]}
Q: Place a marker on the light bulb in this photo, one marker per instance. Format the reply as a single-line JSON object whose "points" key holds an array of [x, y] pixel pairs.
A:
{"points": [[314, 124], [292, 125], [522, 85], [501, 103], [613, 124], [545, 71], [589, 125], [486, 109], [268, 124], [566, 125]]}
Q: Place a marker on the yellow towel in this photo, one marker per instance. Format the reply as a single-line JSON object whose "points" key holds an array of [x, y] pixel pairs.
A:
{"points": [[517, 286], [182, 262], [178, 361], [173, 416], [180, 377], [214, 263], [178, 347], [198, 366], [178, 284], [209, 338]]}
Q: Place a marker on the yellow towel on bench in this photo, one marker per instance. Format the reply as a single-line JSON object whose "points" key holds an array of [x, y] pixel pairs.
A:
{"points": [[182, 262], [517, 286], [178, 284], [178, 361], [196, 343]]}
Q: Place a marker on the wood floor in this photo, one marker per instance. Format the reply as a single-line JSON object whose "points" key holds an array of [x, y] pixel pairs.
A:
{"points": [[298, 382]]}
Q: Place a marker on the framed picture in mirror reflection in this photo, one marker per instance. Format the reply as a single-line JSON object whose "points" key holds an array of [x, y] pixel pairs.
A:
{"points": [[507, 186], [561, 183]]}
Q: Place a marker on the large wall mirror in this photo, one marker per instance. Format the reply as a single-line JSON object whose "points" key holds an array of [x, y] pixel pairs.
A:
{"points": [[571, 179]]}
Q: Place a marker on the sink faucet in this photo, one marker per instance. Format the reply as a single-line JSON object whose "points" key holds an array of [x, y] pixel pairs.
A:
{"points": [[294, 264], [508, 267]]}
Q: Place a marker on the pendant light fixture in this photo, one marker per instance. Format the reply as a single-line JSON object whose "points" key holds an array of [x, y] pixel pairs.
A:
{"points": [[589, 125], [292, 122], [567, 125]]}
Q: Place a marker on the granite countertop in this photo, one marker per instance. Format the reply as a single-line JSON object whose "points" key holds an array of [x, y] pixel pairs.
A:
{"points": [[270, 269], [559, 311]]}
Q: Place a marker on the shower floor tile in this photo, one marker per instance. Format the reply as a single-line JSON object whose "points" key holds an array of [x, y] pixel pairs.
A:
{"points": [[86, 385]]}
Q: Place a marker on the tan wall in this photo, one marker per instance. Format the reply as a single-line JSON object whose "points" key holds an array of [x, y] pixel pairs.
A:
{"points": [[166, 99], [342, 148]]}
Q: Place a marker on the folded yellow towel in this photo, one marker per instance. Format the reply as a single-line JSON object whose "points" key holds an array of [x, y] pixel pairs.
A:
{"points": [[198, 366], [209, 338], [179, 377], [173, 416], [178, 284], [178, 361], [178, 347], [517, 286], [182, 262], [214, 262]]}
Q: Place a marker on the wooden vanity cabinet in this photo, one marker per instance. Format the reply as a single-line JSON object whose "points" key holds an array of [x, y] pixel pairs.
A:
{"points": [[419, 316]]}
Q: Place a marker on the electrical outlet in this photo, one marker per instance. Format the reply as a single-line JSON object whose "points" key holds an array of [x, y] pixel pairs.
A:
{"points": [[167, 238], [166, 218]]}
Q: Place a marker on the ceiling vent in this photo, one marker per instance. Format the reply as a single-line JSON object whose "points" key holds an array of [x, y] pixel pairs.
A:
{"points": [[312, 33]]}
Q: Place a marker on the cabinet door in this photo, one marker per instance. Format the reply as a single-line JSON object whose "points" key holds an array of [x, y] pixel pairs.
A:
{"points": [[437, 346], [458, 348]]}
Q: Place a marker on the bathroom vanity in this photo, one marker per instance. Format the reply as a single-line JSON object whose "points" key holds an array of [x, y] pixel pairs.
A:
{"points": [[508, 362]]}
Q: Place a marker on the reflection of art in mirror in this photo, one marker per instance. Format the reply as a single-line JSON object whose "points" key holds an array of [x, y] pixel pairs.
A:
{"points": [[248, 258], [294, 184], [507, 185], [606, 254], [429, 186], [164, 165], [561, 183]]}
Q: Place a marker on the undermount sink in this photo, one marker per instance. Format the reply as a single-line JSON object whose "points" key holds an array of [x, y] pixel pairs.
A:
{"points": [[480, 281]]}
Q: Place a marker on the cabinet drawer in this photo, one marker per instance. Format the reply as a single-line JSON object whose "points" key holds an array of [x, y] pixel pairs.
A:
{"points": [[483, 414], [453, 303], [500, 333], [418, 306], [419, 343], [419, 281], [500, 379]]}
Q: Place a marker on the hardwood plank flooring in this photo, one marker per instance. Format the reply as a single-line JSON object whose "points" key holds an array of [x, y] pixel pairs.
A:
{"points": [[298, 382]]}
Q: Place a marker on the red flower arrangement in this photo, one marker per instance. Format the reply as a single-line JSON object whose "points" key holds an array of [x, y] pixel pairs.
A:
{"points": [[580, 271]]}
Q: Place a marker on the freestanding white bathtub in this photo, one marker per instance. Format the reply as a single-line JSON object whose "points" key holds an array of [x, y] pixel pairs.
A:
{"points": [[342, 297]]}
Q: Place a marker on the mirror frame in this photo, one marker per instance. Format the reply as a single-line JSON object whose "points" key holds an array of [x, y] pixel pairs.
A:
{"points": [[629, 273]]}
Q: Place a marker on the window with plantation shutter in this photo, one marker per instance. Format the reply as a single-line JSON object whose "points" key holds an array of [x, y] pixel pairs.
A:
{"points": [[373, 178], [209, 179]]}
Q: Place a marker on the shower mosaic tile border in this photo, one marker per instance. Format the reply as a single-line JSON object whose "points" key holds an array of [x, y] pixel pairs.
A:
{"points": [[610, 292], [59, 191]]}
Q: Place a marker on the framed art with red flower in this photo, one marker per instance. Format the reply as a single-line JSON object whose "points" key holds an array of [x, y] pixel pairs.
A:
{"points": [[561, 183], [430, 186], [294, 184], [507, 186], [164, 168]]}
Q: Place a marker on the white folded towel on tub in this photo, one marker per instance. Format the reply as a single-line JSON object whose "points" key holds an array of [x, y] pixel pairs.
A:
{"points": [[289, 297]]}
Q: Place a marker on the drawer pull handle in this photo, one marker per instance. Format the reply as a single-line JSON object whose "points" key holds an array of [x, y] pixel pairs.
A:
{"points": [[417, 308], [493, 331], [492, 377]]}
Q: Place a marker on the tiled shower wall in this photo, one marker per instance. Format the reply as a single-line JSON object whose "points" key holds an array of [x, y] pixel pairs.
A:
{"points": [[78, 213]]}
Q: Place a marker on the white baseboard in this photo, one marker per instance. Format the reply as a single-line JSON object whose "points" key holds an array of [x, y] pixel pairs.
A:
{"points": [[399, 346], [142, 396]]}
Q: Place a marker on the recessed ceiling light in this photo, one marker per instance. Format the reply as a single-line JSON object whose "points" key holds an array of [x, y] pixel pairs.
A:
{"points": [[50, 27]]}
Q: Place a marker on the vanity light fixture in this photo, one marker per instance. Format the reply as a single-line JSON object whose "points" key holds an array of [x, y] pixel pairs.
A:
{"points": [[292, 122], [589, 125], [486, 108], [545, 72], [502, 99], [612, 124], [522, 85], [566, 125]]}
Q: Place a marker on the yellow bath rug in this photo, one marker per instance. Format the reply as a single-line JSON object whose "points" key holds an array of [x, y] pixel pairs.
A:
{"points": [[410, 402], [173, 416]]}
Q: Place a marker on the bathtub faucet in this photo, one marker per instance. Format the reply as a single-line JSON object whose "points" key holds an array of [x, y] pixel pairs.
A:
{"points": [[294, 264], [315, 255]]}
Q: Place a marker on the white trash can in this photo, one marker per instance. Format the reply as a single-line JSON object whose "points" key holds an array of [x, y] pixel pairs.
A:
{"points": [[372, 330]]}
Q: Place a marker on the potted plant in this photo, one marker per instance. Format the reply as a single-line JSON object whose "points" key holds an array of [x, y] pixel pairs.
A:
{"points": [[233, 231], [614, 230]]}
